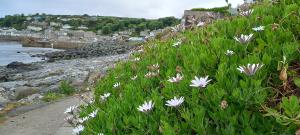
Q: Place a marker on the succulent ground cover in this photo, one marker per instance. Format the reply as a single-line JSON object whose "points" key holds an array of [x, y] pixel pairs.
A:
{"points": [[235, 76]]}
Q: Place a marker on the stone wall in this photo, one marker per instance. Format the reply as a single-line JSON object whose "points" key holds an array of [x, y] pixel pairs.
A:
{"points": [[35, 42]]}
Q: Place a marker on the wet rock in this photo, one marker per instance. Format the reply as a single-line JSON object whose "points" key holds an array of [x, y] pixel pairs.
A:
{"points": [[16, 65], [25, 91], [21, 67]]}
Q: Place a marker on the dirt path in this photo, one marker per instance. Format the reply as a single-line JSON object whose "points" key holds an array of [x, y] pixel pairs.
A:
{"points": [[48, 120]]}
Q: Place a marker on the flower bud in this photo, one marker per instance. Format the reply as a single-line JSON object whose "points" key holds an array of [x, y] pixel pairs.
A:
{"points": [[224, 104], [283, 75]]}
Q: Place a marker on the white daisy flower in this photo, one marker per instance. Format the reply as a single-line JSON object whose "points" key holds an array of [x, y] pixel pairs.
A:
{"points": [[243, 38], [71, 109], [134, 78], [250, 69], [116, 85], [94, 113], [260, 28], [229, 52], [137, 59], [78, 129], [175, 102], [140, 50], [246, 13], [177, 43], [146, 107], [104, 96], [201, 24], [155, 66], [92, 101], [176, 79], [82, 120], [152, 74], [202, 82]]}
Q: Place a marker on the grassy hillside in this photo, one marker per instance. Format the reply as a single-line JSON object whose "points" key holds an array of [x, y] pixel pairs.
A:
{"points": [[233, 102]]}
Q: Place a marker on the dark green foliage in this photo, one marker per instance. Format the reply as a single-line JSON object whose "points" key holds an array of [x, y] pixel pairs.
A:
{"points": [[217, 9], [16, 21], [107, 24], [66, 88]]}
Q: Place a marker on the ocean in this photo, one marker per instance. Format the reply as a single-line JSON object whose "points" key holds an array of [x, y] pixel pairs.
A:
{"points": [[14, 51]]}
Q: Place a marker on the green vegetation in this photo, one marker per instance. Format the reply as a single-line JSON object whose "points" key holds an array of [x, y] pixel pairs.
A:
{"points": [[16, 21], [107, 25], [290, 113], [217, 9], [66, 88], [52, 96], [232, 103]]}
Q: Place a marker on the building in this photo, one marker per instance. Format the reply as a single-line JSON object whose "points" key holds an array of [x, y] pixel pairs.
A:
{"points": [[66, 26], [82, 27], [54, 24], [34, 28]]}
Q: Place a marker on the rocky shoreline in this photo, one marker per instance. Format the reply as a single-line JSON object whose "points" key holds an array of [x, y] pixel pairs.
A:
{"points": [[26, 83], [92, 50]]}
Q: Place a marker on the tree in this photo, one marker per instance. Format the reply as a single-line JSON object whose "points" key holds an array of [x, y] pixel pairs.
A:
{"points": [[153, 25], [106, 30]]}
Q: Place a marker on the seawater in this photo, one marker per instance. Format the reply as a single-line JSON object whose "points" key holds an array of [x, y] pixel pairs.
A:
{"points": [[14, 51]]}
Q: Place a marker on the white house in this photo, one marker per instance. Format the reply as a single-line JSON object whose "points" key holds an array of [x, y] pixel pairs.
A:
{"points": [[34, 28], [66, 26]]}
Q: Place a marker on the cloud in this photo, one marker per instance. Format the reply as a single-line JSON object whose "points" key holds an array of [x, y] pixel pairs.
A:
{"points": [[123, 8]]}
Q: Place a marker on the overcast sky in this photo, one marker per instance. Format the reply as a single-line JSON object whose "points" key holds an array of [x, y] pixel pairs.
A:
{"points": [[122, 8]]}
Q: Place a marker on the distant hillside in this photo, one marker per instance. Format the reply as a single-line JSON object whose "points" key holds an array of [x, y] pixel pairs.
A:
{"points": [[92, 23]]}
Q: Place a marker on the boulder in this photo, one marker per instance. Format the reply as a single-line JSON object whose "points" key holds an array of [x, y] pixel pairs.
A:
{"points": [[3, 78], [24, 91], [16, 65]]}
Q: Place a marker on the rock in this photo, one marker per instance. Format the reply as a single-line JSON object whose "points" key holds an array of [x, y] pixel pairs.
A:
{"points": [[16, 77], [2, 89], [52, 88], [12, 85], [77, 83], [93, 77], [3, 99], [92, 50], [35, 97], [24, 91], [52, 80], [3, 78], [15, 65]]}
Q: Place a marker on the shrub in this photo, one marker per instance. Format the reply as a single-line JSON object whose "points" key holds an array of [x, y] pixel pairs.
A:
{"points": [[66, 88], [217, 9], [51, 96]]}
